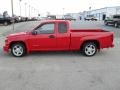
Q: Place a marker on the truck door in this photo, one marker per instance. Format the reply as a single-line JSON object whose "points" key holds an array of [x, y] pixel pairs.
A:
{"points": [[63, 36], [45, 38]]}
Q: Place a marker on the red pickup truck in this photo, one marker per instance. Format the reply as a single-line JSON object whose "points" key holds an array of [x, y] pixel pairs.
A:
{"points": [[56, 35]]}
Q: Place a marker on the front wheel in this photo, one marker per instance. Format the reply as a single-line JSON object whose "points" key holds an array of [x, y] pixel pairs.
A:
{"points": [[5, 23], [106, 23], [18, 50], [89, 49], [116, 24]]}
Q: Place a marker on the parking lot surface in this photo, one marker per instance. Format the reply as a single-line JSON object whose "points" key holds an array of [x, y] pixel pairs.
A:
{"points": [[60, 70]]}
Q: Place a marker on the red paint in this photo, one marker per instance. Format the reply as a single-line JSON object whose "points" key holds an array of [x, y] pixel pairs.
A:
{"points": [[72, 40]]}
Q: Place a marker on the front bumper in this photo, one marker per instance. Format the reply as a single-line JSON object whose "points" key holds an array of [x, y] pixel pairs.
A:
{"points": [[5, 48]]}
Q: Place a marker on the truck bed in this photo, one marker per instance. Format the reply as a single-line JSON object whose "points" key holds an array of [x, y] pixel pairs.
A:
{"points": [[87, 30]]}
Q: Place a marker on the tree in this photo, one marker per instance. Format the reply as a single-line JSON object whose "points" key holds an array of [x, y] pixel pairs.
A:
{"points": [[5, 14]]}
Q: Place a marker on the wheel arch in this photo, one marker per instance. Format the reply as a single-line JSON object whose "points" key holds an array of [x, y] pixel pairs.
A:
{"points": [[22, 42], [94, 41]]}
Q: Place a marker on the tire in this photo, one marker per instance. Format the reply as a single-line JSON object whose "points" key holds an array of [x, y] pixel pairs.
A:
{"points": [[116, 24], [106, 23], [18, 50], [89, 49], [5, 23]]}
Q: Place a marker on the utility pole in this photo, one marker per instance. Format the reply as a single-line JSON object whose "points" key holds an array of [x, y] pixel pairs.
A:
{"points": [[29, 11], [25, 10], [34, 12], [89, 11], [12, 13], [20, 6], [63, 12]]}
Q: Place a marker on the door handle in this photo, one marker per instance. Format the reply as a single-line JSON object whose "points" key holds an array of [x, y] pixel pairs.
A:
{"points": [[51, 36]]}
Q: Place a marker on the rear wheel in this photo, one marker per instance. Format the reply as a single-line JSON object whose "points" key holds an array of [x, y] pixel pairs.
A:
{"points": [[89, 49], [18, 50]]}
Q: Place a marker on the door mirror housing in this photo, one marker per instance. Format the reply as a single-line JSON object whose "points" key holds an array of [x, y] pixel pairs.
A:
{"points": [[34, 32]]}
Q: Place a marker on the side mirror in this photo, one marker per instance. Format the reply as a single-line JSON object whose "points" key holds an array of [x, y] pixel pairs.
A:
{"points": [[34, 32]]}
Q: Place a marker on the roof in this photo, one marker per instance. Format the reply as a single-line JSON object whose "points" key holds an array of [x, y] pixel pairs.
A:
{"points": [[54, 20], [50, 21], [105, 8]]}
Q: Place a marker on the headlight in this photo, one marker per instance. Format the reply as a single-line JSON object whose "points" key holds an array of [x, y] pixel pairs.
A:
{"points": [[6, 41]]}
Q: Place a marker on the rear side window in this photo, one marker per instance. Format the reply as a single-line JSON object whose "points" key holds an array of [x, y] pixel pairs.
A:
{"points": [[62, 27]]}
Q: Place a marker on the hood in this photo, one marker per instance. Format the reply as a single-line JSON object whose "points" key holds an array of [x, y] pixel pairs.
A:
{"points": [[18, 34]]}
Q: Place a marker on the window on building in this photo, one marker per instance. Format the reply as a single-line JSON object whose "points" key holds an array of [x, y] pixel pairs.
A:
{"points": [[116, 16]]}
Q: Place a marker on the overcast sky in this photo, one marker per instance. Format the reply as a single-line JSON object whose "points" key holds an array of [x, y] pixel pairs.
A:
{"points": [[55, 6]]}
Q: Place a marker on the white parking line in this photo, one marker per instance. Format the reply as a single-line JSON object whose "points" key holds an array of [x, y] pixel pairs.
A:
{"points": [[117, 41]]}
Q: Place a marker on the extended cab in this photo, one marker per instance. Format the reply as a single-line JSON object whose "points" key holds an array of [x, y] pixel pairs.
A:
{"points": [[56, 35]]}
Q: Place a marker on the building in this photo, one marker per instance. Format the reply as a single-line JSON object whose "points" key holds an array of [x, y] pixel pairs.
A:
{"points": [[74, 15], [99, 14], [102, 13]]}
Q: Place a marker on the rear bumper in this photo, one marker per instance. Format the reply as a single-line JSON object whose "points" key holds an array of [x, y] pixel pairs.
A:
{"points": [[108, 46], [112, 45]]}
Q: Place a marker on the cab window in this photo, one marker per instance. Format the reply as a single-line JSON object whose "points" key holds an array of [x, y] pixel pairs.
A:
{"points": [[46, 28]]}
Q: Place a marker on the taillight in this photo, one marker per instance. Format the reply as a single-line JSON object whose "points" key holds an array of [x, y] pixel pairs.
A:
{"points": [[112, 37]]}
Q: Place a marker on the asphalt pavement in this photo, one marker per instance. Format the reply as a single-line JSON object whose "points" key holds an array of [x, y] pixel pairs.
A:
{"points": [[60, 70]]}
